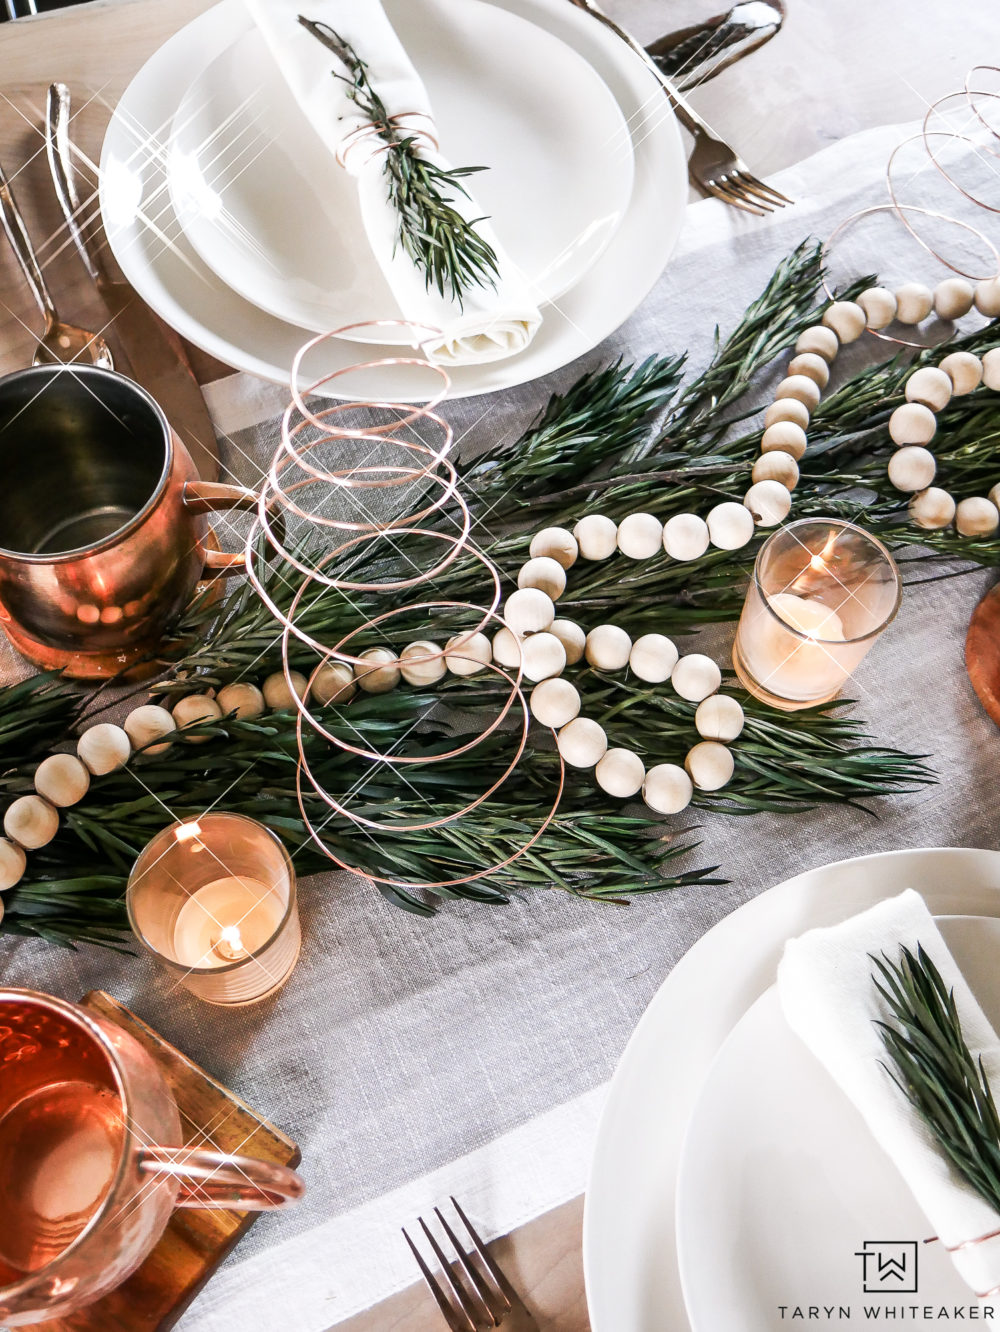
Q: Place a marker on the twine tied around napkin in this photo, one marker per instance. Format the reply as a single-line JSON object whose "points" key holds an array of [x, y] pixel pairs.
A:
{"points": [[829, 999], [491, 322]]}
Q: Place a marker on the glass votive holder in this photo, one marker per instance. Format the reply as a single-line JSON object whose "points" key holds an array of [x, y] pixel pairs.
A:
{"points": [[213, 899], [821, 593]]}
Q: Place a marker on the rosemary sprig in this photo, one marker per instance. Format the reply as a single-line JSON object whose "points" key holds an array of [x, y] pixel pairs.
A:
{"points": [[443, 244], [936, 1071]]}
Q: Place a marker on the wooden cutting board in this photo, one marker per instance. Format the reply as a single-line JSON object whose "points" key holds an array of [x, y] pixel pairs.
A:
{"points": [[194, 1242]]}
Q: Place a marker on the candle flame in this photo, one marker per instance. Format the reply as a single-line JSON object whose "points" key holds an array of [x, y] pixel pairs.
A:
{"points": [[230, 943]]}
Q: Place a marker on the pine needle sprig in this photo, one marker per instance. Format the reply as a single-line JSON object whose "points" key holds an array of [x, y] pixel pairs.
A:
{"points": [[935, 1070], [443, 244], [34, 715]]}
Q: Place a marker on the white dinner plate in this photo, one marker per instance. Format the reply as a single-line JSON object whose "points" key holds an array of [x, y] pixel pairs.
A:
{"points": [[629, 1236], [163, 266], [265, 204], [782, 1185]]}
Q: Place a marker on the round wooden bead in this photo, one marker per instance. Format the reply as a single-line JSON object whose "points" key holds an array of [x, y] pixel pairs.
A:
{"points": [[545, 573], [812, 366], [953, 298], [914, 302], [468, 654], [380, 672], [710, 765], [12, 864], [608, 648], [596, 536], [912, 423], [667, 789], [931, 386], [62, 780], [776, 467], [730, 525], [279, 695], [544, 656], [572, 637], [555, 703], [932, 508], [685, 536], [333, 683], [786, 437], [557, 544], [104, 748], [991, 369], [964, 370], [820, 340], [977, 517], [245, 700], [31, 822], [423, 663], [847, 319], [879, 306], [695, 677], [528, 611], [640, 536], [147, 723], [507, 648], [621, 773], [801, 388], [193, 709], [653, 657], [787, 409], [582, 743], [719, 718], [987, 297], [769, 502], [912, 468]]}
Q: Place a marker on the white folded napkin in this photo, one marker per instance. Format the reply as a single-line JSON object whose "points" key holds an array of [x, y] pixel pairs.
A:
{"points": [[492, 323], [829, 999]]}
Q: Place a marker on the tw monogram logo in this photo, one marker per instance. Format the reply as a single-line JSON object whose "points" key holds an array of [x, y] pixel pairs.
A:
{"points": [[889, 1266]]}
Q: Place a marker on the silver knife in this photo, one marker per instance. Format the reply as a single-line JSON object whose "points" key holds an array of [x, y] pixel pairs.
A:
{"points": [[154, 355]]}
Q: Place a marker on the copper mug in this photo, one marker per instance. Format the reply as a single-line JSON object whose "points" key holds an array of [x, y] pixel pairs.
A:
{"points": [[91, 1159], [103, 527]]}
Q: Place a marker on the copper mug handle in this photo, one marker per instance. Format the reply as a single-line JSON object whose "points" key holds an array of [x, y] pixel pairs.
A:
{"points": [[217, 1180], [217, 497]]}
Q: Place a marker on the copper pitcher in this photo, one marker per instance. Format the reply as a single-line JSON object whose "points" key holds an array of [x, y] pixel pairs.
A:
{"points": [[92, 1161], [103, 527]]}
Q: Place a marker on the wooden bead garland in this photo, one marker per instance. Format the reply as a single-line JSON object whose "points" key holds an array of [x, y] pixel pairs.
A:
{"points": [[653, 658], [912, 426], [913, 467]]}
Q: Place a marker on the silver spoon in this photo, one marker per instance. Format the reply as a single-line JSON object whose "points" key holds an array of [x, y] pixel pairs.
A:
{"points": [[694, 55], [60, 342]]}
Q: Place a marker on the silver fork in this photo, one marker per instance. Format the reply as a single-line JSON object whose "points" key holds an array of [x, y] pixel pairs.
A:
{"points": [[481, 1297], [714, 167]]}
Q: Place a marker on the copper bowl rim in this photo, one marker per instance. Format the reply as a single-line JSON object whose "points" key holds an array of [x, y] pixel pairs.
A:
{"points": [[113, 538]]}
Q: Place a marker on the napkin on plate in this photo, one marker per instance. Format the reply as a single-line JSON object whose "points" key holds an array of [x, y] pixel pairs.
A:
{"points": [[491, 324], [829, 999]]}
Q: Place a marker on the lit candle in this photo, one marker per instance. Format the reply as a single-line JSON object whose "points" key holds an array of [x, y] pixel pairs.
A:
{"points": [[789, 653], [822, 591], [226, 920], [214, 899]]}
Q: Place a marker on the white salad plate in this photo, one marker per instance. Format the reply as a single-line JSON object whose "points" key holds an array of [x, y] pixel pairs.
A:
{"points": [[782, 1184], [159, 260], [630, 1237], [263, 201]]}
